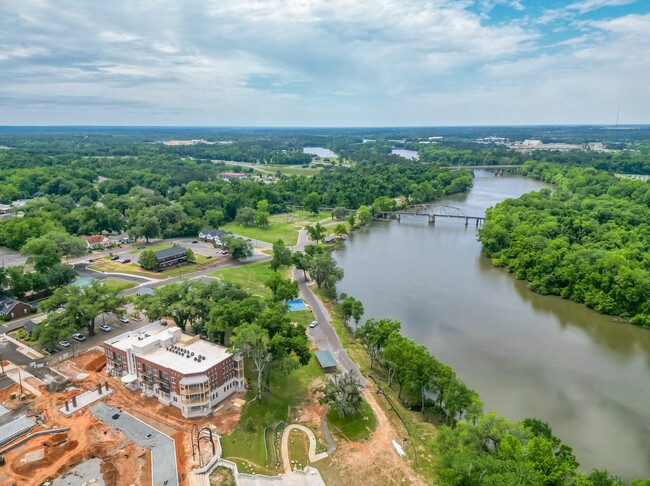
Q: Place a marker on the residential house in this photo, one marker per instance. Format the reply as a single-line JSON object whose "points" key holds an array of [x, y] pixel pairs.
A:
{"points": [[97, 242], [180, 370], [29, 327], [214, 236], [169, 257], [12, 308]]}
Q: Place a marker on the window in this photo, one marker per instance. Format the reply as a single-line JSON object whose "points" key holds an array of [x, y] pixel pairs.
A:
{"points": [[173, 380], [175, 399], [147, 369], [139, 367], [164, 375]]}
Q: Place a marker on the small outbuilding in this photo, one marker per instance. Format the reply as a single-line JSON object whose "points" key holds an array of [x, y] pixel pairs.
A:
{"points": [[326, 361]]}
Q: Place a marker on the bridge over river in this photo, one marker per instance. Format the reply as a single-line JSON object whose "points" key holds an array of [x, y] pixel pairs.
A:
{"points": [[432, 212]]}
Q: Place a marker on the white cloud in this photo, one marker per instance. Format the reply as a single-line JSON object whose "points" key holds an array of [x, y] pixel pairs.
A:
{"points": [[313, 62], [585, 6]]}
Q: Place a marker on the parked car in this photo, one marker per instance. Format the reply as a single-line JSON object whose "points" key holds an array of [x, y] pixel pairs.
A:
{"points": [[126, 260], [115, 257], [64, 344], [50, 350], [194, 241], [313, 324], [78, 337], [124, 320], [105, 328]]}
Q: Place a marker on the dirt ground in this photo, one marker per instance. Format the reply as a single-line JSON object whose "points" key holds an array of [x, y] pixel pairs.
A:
{"points": [[123, 461]]}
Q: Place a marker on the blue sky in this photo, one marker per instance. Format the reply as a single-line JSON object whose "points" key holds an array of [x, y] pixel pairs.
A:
{"points": [[324, 62]]}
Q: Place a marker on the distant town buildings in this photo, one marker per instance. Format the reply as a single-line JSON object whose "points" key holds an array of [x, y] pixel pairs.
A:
{"points": [[180, 370], [226, 176]]}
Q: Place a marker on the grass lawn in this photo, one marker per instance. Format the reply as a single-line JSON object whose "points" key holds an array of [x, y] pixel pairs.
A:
{"points": [[298, 449], [108, 266], [119, 284], [250, 277], [185, 269], [288, 391], [285, 231], [158, 246], [354, 427]]}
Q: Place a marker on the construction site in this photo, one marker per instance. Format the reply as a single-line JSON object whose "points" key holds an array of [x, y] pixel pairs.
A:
{"points": [[88, 428]]}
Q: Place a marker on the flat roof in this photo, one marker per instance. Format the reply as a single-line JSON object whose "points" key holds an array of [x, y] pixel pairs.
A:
{"points": [[325, 359], [177, 357], [214, 354]]}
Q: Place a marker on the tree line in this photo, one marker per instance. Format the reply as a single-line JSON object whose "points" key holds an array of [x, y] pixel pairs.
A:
{"points": [[588, 240]]}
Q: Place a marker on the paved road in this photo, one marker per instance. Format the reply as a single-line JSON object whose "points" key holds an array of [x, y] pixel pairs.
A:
{"points": [[324, 334], [162, 447]]}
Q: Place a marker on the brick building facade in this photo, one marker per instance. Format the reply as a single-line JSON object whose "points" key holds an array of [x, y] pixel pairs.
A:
{"points": [[180, 370]]}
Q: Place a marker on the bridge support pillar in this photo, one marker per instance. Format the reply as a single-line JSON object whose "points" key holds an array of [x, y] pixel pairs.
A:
{"points": [[466, 222], [477, 220], [432, 219], [399, 218]]}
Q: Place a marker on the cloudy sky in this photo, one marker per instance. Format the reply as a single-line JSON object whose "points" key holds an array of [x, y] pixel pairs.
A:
{"points": [[324, 62]]}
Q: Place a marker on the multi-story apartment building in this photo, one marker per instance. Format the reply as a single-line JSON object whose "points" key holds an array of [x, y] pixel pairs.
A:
{"points": [[180, 370]]}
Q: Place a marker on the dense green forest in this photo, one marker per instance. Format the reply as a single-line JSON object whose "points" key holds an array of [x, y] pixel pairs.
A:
{"points": [[588, 240]]}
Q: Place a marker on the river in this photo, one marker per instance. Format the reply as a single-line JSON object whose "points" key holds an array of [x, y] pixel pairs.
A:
{"points": [[527, 355]]}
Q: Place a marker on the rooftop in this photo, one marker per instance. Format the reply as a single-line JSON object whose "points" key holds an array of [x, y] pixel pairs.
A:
{"points": [[170, 348], [173, 251], [325, 359]]}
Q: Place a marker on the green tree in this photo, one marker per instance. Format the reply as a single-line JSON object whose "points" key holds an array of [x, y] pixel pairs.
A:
{"points": [[42, 253], [60, 275], [300, 260], [375, 335], [147, 260], [281, 255], [189, 255], [252, 342], [78, 307], [323, 269], [245, 216], [351, 308], [364, 215], [352, 220], [312, 202], [262, 214], [282, 288], [317, 232], [342, 393], [239, 249], [397, 355], [339, 212], [340, 230]]}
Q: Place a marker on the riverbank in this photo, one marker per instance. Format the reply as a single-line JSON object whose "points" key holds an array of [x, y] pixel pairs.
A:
{"points": [[526, 354]]}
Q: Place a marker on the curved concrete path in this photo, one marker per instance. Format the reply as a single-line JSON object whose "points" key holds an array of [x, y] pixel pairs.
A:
{"points": [[284, 446]]}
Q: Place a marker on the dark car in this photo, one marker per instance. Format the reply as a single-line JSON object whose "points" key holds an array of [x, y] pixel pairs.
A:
{"points": [[50, 350], [126, 260], [115, 257]]}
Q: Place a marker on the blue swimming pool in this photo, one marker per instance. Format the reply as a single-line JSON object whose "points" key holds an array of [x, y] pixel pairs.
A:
{"points": [[295, 305]]}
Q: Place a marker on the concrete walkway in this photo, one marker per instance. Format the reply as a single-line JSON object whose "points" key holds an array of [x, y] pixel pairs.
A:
{"points": [[284, 446]]}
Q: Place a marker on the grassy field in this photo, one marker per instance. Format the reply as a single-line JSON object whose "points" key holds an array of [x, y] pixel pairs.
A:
{"points": [[108, 266], [283, 227], [354, 427], [245, 445], [158, 246], [250, 277], [119, 284], [286, 231]]}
